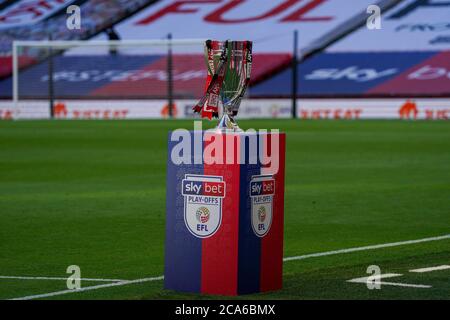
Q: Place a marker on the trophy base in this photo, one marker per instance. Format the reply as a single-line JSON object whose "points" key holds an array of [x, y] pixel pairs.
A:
{"points": [[228, 124]]}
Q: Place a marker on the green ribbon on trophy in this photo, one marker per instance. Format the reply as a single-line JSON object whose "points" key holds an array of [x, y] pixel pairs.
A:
{"points": [[229, 66]]}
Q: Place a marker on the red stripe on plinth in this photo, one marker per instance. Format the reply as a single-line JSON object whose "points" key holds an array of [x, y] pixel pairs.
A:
{"points": [[220, 251], [272, 244]]}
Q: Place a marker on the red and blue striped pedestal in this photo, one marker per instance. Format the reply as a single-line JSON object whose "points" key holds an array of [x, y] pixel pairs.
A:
{"points": [[224, 219]]}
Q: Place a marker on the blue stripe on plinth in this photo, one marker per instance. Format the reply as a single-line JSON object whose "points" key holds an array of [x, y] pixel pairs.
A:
{"points": [[249, 243], [183, 251]]}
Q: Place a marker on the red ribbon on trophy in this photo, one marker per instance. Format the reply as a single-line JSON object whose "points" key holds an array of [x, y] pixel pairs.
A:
{"points": [[209, 103], [229, 66]]}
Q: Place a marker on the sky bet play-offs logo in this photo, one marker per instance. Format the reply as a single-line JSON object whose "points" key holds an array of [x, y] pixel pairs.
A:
{"points": [[262, 189], [203, 204]]}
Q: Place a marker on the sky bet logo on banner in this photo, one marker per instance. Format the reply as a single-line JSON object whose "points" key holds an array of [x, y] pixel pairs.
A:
{"points": [[203, 204], [262, 189], [341, 73]]}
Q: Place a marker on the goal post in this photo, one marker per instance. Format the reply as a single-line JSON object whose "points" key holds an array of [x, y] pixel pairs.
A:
{"points": [[109, 72]]}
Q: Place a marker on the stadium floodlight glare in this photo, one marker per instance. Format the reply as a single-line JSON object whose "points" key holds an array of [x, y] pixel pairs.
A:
{"points": [[40, 51]]}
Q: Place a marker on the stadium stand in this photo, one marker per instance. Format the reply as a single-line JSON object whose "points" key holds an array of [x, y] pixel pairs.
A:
{"points": [[340, 58], [37, 20], [408, 57], [270, 25], [365, 74], [410, 26], [127, 76]]}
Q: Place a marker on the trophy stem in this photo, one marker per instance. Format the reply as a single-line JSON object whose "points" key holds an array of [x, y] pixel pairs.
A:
{"points": [[228, 124]]}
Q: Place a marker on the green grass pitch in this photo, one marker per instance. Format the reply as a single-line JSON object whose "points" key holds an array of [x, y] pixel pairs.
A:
{"points": [[92, 194]]}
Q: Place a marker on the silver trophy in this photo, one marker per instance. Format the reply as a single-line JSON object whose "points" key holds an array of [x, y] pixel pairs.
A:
{"points": [[229, 66]]}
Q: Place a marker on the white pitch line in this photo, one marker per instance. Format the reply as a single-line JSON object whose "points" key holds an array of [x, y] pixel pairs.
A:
{"points": [[59, 278], [375, 277], [366, 280], [307, 256], [420, 270], [408, 285], [100, 286], [377, 246]]}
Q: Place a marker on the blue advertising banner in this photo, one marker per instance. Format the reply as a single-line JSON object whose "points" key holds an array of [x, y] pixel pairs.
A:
{"points": [[341, 73], [76, 76], [123, 76]]}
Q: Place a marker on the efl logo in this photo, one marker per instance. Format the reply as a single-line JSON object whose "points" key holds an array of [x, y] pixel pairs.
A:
{"points": [[203, 204], [262, 189]]}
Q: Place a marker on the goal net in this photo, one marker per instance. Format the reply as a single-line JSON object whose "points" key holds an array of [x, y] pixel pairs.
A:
{"points": [[107, 79]]}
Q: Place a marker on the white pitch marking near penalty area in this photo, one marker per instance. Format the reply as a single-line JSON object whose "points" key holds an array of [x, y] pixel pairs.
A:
{"points": [[421, 270], [100, 286], [59, 278], [307, 256], [375, 277], [377, 246], [369, 279], [408, 285]]}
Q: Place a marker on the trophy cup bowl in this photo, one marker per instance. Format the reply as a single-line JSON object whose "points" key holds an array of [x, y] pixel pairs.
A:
{"points": [[229, 67]]}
